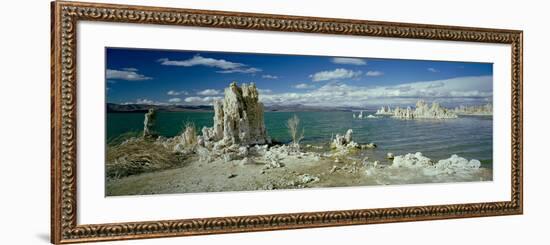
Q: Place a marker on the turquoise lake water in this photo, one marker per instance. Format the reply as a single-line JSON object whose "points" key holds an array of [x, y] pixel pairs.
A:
{"points": [[466, 136]]}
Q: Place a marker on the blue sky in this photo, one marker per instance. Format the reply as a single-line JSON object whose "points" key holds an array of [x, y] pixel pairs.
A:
{"points": [[146, 76]]}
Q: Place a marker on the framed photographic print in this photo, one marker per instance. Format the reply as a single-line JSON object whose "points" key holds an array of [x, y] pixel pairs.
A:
{"points": [[175, 122]]}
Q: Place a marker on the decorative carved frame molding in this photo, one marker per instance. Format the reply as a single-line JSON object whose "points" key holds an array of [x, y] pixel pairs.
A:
{"points": [[65, 16]]}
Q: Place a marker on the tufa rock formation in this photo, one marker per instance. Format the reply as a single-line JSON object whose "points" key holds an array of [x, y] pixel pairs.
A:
{"points": [[479, 110], [148, 123], [362, 115], [343, 144], [458, 162], [421, 111], [343, 141], [411, 160], [384, 110], [238, 119], [188, 139], [450, 165]]}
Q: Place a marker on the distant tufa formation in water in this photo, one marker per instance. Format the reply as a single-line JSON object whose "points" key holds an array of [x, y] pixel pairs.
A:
{"points": [[421, 111], [480, 110], [363, 115]]}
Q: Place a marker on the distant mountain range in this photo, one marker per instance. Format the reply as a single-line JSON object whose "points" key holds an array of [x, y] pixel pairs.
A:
{"points": [[112, 107]]}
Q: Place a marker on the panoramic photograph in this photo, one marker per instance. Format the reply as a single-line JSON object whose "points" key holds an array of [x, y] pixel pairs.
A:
{"points": [[186, 121]]}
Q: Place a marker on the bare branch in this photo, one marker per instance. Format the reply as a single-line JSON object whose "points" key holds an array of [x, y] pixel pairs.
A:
{"points": [[293, 125]]}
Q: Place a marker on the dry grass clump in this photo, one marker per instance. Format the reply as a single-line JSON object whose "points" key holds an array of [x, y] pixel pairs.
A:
{"points": [[138, 155], [119, 139]]}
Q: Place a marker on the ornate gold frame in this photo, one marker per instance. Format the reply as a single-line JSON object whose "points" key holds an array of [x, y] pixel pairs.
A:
{"points": [[65, 16]]}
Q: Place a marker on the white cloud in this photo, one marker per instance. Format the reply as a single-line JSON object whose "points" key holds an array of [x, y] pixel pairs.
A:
{"points": [[336, 74], [197, 60], [211, 98], [349, 61], [374, 73], [267, 76], [431, 69], [241, 70], [304, 86], [455, 90], [195, 100], [176, 93], [174, 100], [144, 101], [141, 101], [209, 92], [264, 91], [128, 74]]}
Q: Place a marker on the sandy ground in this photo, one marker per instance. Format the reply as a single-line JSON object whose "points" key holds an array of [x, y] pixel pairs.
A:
{"points": [[298, 172]]}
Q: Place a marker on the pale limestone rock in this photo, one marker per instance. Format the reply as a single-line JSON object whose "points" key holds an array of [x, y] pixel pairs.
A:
{"points": [[258, 150], [457, 162], [148, 123], [217, 129], [186, 140], [238, 119], [204, 154], [411, 161], [424, 111], [384, 110], [200, 140], [341, 141], [243, 116], [368, 146], [479, 110], [272, 159], [243, 151], [306, 178], [452, 165], [189, 136], [238, 123], [344, 143], [348, 136]]}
